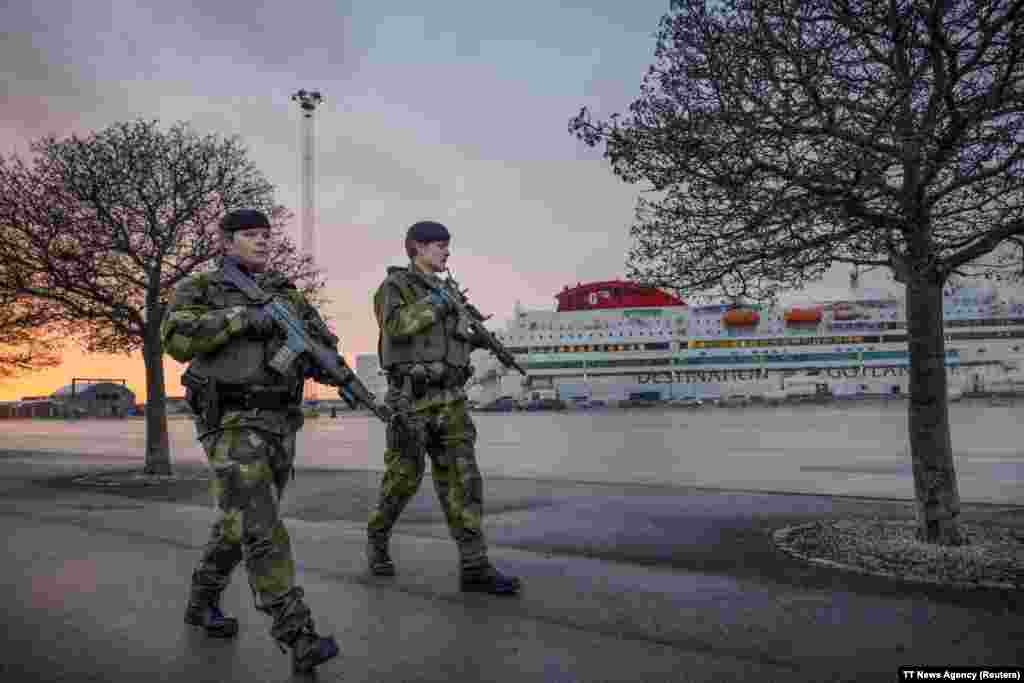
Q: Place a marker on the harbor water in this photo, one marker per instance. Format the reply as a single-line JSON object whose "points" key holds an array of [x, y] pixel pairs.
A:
{"points": [[857, 448]]}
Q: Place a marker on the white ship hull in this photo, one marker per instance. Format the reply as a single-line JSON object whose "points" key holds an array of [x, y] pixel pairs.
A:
{"points": [[858, 347]]}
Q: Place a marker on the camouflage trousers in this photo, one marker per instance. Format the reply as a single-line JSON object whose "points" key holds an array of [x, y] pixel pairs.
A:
{"points": [[251, 468], [446, 433]]}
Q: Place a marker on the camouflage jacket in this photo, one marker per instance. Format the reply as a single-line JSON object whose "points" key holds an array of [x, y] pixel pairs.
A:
{"points": [[407, 318], [207, 316]]}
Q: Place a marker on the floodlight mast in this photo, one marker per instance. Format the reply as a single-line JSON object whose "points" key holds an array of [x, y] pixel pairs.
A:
{"points": [[308, 101]]}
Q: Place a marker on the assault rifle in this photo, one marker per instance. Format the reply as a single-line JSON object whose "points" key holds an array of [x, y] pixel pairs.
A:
{"points": [[299, 341], [476, 319]]}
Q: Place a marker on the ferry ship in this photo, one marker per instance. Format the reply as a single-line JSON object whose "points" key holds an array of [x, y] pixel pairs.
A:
{"points": [[613, 341]]}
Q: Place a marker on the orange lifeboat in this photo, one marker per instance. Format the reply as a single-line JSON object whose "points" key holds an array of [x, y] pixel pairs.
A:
{"points": [[847, 312], [803, 316], [741, 316]]}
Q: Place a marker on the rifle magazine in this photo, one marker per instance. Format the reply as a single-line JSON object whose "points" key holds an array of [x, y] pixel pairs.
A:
{"points": [[283, 359]]}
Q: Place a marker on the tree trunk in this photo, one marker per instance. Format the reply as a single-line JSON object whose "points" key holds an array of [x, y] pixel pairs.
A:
{"points": [[158, 448], [935, 487]]}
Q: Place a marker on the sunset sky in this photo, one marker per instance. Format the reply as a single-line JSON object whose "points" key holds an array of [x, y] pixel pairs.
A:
{"points": [[452, 111]]}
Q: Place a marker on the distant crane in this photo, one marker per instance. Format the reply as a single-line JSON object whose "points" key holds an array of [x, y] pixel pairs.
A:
{"points": [[308, 101]]}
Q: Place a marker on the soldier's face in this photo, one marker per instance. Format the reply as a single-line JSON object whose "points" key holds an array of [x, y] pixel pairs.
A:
{"points": [[251, 247], [432, 256]]}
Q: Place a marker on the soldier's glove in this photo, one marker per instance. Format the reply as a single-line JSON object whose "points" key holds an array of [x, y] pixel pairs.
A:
{"points": [[260, 323], [331, 380], [478, 340], [464, 330]]}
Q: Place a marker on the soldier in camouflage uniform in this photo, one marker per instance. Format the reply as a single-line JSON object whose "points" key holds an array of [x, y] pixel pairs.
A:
{"points": [[247, 417], [424, 349]]}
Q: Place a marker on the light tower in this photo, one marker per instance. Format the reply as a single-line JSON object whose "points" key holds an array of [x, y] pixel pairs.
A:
{"points": [[308, 101]]}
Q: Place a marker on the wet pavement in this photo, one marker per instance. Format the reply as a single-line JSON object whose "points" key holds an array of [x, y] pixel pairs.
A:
{"points": [[622, 583]]}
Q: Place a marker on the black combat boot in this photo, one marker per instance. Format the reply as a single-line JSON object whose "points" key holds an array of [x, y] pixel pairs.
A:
{"points": [[487, 579], [310, 650], [212, 620], [378, 559]]}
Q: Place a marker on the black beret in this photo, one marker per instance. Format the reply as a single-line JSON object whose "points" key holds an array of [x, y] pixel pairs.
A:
{"points": [[428, 231], [244, 219]]}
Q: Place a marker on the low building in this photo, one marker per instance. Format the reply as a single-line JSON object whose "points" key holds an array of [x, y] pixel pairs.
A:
{"points": [[32, 407], [100, 399]]}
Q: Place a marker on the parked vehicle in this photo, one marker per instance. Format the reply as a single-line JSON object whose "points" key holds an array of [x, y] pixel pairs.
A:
{"points": [[640, 403], [501, 404], [594, 403], [735, 400], [546, 404], [686, 402]]}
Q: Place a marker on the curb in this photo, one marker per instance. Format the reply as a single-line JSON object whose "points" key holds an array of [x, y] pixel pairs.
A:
{"points": [[783, 539], [135, 479]]}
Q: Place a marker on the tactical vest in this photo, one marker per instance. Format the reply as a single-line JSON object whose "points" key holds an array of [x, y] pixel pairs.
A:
{"points": [[436, 343], [241, 360]]}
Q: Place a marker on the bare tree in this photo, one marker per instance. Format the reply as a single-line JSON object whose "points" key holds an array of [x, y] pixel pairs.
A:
{"points": [[108, 224], [31, 330], [780, 138], [28, 340]]}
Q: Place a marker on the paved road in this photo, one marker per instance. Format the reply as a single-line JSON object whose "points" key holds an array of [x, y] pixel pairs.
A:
{"points": [[623, 583]]}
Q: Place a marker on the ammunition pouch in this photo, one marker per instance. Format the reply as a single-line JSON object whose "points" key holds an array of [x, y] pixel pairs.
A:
{"points": [[416, 380], [272, 399], [209, 399], [202, 397], [419, 379]]}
